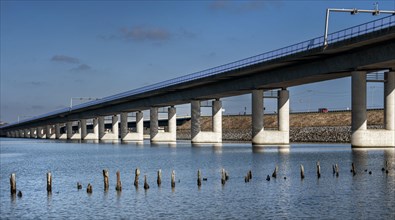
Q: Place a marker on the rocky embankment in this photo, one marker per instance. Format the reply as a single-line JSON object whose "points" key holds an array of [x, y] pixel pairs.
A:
{"points": [[332, 127]]}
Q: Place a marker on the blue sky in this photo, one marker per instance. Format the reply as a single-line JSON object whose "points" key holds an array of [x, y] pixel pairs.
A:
{"points": [[52, 51]]}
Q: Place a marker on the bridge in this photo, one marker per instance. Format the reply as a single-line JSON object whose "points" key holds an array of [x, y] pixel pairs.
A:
{"points": [[353, 52]]}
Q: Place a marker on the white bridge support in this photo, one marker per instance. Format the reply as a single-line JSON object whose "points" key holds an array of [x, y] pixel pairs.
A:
{"points": [[41, 132], [171, 134], [132, 136], [32, 133], [270, 137], [58, 134], [197, 135], [109, 135], [360, 135], [71, 135], [50, 132], [84, 130], [27, 133]]}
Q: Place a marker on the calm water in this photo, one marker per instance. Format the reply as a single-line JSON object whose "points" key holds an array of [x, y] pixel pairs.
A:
{"points": [[363, 196]]}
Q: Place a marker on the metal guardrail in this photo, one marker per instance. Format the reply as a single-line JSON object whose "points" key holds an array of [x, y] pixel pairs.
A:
{"points": [[344, 34]]}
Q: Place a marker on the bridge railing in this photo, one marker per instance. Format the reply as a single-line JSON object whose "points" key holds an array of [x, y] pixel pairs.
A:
{"points": [[365, 28]]}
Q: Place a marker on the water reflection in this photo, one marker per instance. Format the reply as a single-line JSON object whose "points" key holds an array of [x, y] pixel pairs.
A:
{"points": [[259, 199], [283, 149]]}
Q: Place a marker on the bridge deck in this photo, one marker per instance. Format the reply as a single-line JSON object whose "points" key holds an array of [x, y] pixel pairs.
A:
{"points": [[366, 47]]}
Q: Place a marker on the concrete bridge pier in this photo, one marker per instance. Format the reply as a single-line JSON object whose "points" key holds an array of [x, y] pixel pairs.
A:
{"points": [[57, 131], [197, 135], [50, 133], [63, 135], [360, 135], [132, 136], [71, 135], [41, 132], [18, 133], [84, 130], [32, 133], [163, 136], [107, 135], [270, 137], [26, 133]]}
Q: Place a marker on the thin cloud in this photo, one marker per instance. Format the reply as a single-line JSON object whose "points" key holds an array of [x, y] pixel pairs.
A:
{"points": [[219, 4], [65, 59], [36, 83], [142, 33], [82, 67]]}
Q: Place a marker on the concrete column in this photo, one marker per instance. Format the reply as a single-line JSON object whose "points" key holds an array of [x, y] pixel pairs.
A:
{"points": [[197, 135], [40, 132], [140, 125], [32, 135], [124, 124], [48, 131], [115, 126], [57, 131], [96, 129], [217, 116], [257, 115], [358, 94], [172, 122], [132, 136], [154, 124], [283, 110], [69, 129], [389, 101], [195, 118], [83, 129], [101, 127]]}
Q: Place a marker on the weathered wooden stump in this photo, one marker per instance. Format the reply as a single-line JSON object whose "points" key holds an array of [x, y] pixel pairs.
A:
{"points": [[353, 169], [173, 179], [318, 169], [105, 179], [268, 178], [146, 186], [79, 185], [223, 176], [337, 170], [199, 178], [246, 179], [19, 194], [226, 176], [49, 182], [136, 177], [13, 184], [301, 171], [89, 188], [249, 175], [159, 179], [274, 174], [118, 187], [334, 169]]}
